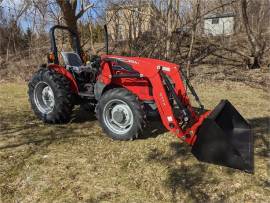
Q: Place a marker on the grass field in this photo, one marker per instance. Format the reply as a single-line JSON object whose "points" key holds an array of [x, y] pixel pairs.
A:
{"points": [[76, 162]]}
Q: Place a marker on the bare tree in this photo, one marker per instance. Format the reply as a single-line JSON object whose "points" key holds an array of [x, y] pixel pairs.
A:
{"points": [[256, 39], [70, 14], [172, 20], [196, 17], [16, 12]]}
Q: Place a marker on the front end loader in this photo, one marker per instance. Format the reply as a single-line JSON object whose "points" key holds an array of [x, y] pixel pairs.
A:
{"points": [[125, 91]]}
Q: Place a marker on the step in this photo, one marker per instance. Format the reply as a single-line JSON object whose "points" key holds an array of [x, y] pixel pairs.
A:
{"points": [[86, 94]]}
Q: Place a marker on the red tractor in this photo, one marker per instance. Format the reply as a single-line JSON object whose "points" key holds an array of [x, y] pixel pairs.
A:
{"points": [[125, 91]]}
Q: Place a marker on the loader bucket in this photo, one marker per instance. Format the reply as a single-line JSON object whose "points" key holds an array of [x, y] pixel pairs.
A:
{"points": [[225, 138]]}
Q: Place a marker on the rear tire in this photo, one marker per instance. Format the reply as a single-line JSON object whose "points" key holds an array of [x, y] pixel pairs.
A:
{"points": [[120, 114], [50, 96]]}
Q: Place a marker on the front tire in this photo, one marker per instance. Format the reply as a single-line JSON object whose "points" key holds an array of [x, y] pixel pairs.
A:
{"points": [[50, 96], [120, 114]]}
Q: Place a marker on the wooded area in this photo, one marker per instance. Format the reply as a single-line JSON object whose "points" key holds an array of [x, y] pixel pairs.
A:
{"points": [[176, 29]]}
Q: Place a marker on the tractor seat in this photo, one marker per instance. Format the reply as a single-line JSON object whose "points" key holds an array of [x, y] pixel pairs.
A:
{"points": [[72, 59]]}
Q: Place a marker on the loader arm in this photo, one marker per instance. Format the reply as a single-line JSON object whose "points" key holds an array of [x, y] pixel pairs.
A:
{"points": [[182, 125]]}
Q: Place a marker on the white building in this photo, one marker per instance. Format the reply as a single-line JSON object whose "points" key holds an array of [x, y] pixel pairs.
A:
{"points": [[219, 24]]}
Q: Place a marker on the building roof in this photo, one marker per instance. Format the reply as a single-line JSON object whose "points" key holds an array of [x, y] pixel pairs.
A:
{"points": [[219, 15]]}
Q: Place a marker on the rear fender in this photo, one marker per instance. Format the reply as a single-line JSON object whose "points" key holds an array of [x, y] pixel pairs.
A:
{"points": [[63, 71]]}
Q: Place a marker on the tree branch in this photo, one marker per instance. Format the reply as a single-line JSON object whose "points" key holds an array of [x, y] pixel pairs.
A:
{"points": [[84, 9]]}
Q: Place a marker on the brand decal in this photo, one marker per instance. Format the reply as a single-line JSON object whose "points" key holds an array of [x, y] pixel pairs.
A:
{"points": [[128, 60]]}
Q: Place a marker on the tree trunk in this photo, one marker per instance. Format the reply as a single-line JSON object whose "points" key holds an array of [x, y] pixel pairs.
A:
{"points": [[190, 52], [169, 29], [256, 49], [196, 16], [91, 39], [68, 9]]}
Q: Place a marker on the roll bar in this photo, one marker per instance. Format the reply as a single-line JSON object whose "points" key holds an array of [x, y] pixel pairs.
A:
{"points": [[75, 39], [106, 37]]}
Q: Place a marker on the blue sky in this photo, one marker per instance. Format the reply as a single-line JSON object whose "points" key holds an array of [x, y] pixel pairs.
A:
{"points": [[27, 21]]}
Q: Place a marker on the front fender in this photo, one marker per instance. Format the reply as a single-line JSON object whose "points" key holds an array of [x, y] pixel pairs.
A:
{"points": [[63, 71]]}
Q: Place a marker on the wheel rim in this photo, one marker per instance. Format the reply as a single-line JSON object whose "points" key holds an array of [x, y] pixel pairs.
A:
{"points": [[118, 116], [44, 97]]}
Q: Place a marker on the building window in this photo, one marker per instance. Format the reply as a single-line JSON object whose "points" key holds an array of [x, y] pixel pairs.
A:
{"points": [[215, 20]]}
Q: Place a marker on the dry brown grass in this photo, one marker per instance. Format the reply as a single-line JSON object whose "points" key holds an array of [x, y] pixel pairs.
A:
{"points": [[76, 162], [216, 73]]}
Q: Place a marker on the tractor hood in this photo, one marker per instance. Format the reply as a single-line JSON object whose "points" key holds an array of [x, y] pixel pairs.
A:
{"points": [[140, 64]]}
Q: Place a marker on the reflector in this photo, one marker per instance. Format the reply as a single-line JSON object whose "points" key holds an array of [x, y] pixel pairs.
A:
{"points": [[225, 138]]}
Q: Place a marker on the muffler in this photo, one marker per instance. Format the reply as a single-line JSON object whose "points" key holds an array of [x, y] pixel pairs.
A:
{"points": [[225, 138]]}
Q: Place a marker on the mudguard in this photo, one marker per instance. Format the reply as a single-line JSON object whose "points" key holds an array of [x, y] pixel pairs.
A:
{"points": [[67, 74]]}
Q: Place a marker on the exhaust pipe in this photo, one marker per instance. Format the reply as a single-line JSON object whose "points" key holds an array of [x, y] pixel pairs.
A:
{"points": [[106, 37], [225, 138]]}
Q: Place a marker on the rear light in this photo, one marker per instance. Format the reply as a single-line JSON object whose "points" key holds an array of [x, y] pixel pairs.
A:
{"points": [[51, 57], [85, 58]]}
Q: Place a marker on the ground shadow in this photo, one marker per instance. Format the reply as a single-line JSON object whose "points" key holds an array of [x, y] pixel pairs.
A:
{"points": [[261, 132], [153, 129], [82, 115], [190, 178], [21, 129], [182, 177], [43, 138]]}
